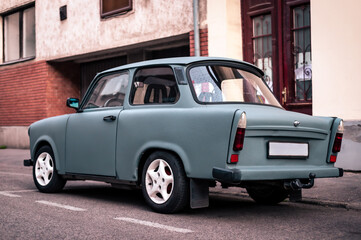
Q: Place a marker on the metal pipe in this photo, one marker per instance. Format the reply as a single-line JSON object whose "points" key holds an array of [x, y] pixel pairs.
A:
{"points": [[196, 28]]}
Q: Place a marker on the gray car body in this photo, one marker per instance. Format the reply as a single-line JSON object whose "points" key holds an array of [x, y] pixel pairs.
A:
{"points": [[201, 135]]}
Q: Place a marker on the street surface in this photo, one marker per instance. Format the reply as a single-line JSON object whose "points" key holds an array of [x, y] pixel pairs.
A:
{"points": [[92, 210]]}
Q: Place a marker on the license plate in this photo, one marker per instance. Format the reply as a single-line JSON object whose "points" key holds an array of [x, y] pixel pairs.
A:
{"points": [[287, 150]]}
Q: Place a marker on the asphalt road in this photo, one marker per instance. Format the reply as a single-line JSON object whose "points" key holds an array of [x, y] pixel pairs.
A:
{"points": [[92, 210]]}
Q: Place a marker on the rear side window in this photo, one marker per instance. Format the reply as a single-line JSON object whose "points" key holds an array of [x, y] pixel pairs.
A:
{"points": [[154, 86]]}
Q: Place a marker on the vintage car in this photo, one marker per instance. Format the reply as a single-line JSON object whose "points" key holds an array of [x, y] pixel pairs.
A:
{"points": [[174, 127]]}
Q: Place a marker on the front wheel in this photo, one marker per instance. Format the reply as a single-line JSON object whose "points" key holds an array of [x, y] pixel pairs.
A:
{"points": [[45, 176], [269, 195], [165, 186]]}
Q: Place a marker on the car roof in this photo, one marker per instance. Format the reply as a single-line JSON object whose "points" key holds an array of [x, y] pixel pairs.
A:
{"points": [[179, 61]]}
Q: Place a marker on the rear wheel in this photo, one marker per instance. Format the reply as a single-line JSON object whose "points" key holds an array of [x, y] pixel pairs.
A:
{"points": [[45, 175], [165, 186], [268, 194]]}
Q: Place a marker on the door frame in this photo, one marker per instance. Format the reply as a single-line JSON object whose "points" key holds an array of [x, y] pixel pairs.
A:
{"points": [[282, 58]]}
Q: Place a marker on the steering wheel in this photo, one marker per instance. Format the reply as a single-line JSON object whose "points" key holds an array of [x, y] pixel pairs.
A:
{"points": [[113, 102]]}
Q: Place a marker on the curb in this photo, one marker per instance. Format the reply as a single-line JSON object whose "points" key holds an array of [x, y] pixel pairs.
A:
{"points": [[327, 203], [305, 200]]}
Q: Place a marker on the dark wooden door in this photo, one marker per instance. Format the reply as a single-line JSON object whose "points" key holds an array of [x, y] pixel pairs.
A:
{"points": [[276, 37]]}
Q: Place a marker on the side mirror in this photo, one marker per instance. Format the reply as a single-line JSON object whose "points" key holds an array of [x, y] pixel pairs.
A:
{"points": [[72, 103]]}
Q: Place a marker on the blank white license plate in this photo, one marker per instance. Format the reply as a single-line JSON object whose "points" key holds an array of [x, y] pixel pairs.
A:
{"points": [[287, 150]]}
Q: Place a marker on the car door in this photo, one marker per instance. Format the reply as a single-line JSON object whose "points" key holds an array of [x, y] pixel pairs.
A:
{"points": [[91, 133]]}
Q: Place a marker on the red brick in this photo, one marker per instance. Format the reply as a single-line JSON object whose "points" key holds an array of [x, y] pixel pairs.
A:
{"points": [[203, 34], [35, 90]]}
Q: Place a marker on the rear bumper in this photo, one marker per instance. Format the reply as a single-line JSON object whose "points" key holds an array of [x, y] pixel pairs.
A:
{"points": [[236, 175]]}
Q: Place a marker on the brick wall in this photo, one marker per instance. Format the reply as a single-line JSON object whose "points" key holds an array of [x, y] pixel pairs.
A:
{"points": [[203, 37], [63, 82], [31, 91], [22, 93]]}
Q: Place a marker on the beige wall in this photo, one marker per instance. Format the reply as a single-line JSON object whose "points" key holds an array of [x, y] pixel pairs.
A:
{"points": [[84, 31], [224, 28], [336, 58]]}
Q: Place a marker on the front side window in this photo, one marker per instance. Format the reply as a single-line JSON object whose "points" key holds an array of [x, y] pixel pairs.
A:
{"points": [[217, 84], [109, 91], [19, 35], [154, 86]]}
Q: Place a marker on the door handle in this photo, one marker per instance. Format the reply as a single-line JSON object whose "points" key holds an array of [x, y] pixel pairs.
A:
{"points": [[109, 118], [284, 96]]}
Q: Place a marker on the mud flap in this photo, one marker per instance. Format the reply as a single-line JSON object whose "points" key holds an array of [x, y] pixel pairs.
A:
{"points": [[199, 193], [296, 195]]}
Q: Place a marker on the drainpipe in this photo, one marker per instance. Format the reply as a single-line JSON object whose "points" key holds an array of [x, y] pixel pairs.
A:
{"points": [[196, 28]]}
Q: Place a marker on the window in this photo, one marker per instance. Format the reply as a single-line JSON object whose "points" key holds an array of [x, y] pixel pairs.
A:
{"points": [[217, 84], [262, 46], [302, 53], [154, 85], [19, 35], [112, 7], [109, 91]]}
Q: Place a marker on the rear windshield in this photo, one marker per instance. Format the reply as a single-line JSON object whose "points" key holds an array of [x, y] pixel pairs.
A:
{"points": [[218, 84]]}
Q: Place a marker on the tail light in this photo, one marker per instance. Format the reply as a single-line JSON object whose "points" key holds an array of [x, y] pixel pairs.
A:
{"points": [[241, 131], [337, 143], [338, 139]]}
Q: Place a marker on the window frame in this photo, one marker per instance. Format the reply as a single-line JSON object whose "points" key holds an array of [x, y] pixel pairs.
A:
{"points": [[119, 11], [292, 86], [94, 84], [19, 10], [132, 88]]}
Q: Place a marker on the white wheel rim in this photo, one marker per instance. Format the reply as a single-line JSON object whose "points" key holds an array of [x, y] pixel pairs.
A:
{"points": [[44, 169], [159, 181]]}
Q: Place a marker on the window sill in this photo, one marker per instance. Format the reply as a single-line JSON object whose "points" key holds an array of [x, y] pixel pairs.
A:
{"points": [[17, 61], [109, 16]]}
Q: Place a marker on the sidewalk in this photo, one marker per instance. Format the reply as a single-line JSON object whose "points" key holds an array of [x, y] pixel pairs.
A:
{"points": [[344, 192], [339, 192]]}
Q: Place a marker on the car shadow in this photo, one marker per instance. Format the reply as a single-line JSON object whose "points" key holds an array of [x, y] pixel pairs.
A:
{"points": [[220, 204]]}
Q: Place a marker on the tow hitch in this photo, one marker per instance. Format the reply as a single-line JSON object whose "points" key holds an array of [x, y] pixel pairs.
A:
{"points": [[295, 187], [297, 184]]}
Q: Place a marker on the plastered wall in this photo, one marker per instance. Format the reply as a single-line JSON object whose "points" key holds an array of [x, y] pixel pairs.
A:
{"points": [[336, 51], [84, 31], [224, 28], [6, 5]]}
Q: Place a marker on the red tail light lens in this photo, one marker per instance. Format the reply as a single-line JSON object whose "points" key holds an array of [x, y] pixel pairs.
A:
{"points": [[241, 130], [239, 139], [333, 158], [338, 139], [337, 143]]}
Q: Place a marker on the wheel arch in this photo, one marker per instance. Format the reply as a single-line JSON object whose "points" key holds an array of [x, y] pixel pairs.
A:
{"points": [[47, 141], [183, 159]]}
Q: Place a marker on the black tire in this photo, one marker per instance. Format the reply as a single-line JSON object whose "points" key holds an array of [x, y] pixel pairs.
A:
{"points": [[48, 180], [176, 195], [268, 195]]}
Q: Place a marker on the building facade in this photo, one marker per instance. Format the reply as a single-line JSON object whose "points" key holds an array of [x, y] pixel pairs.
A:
{"points": [[51, 50]]}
